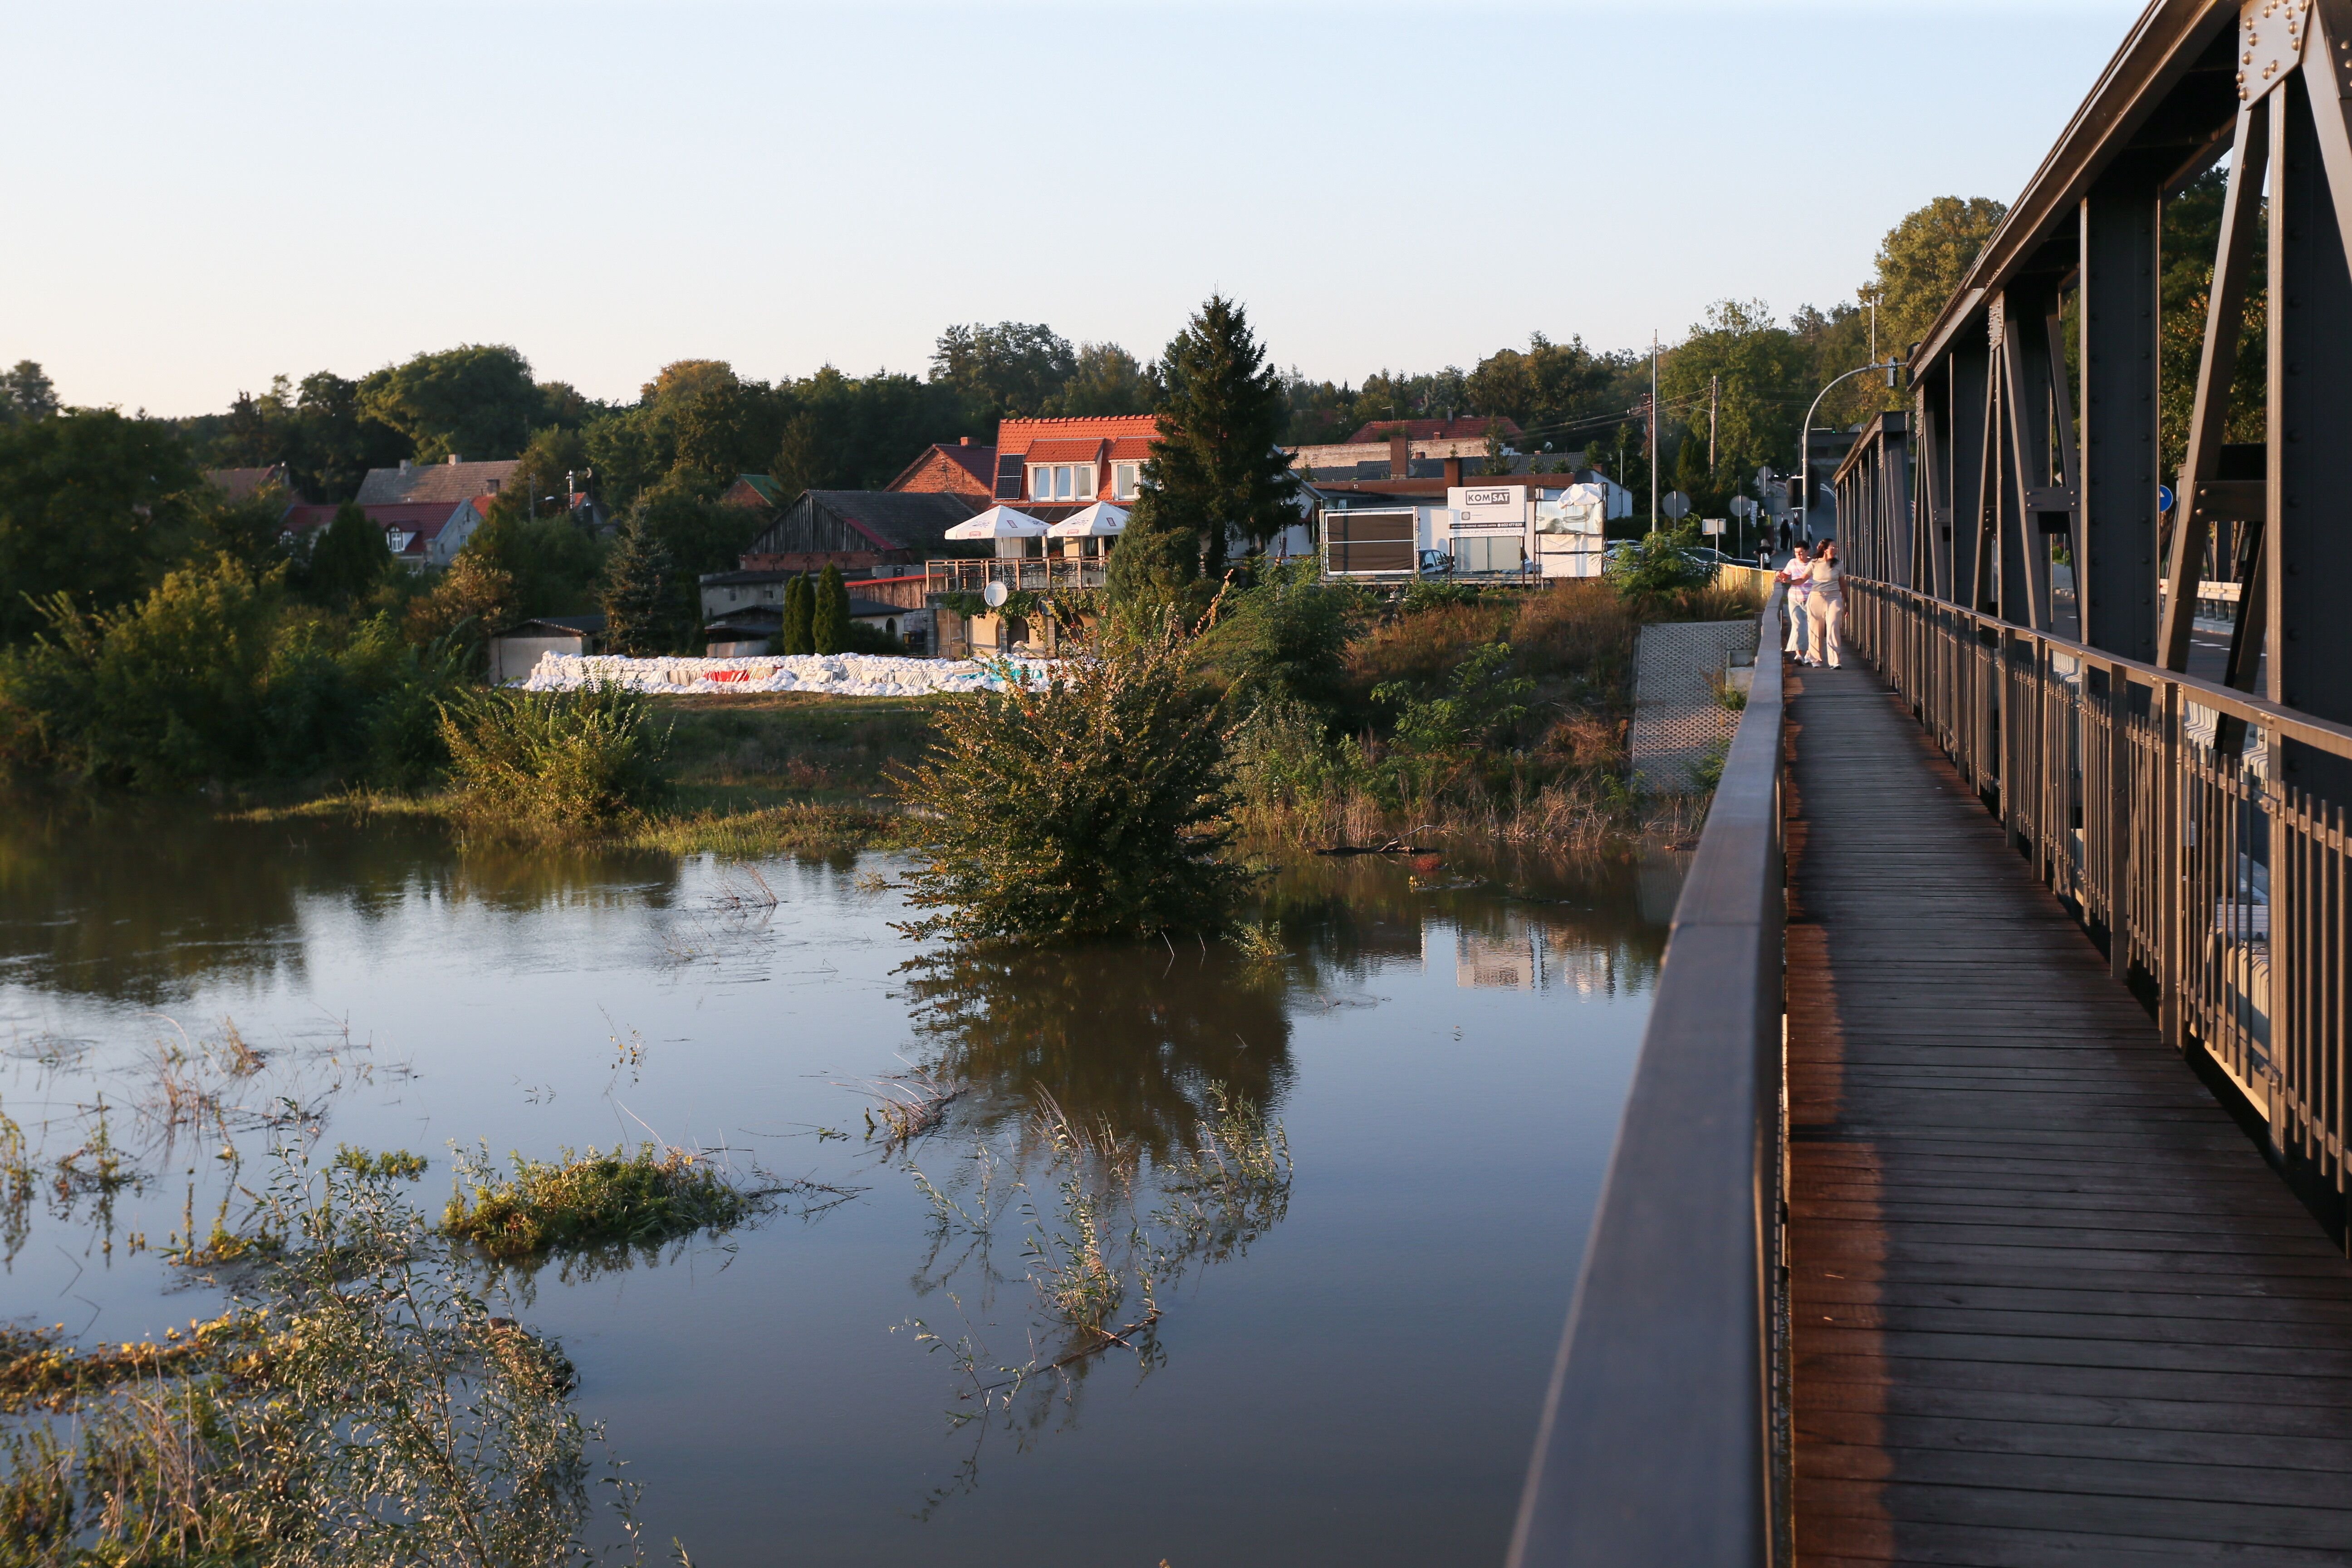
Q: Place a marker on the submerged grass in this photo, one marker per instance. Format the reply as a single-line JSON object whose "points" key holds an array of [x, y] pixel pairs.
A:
{"points": [[359, 1403], [595, 1199]]}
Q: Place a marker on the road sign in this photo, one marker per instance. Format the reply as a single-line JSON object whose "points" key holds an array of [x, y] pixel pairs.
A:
{"points": [[1675, 505], [1743, 506], [1711, 525], [2164, 498]]}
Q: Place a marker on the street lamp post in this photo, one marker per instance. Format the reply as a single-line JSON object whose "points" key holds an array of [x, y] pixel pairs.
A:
{"points": [[1805, 444]]}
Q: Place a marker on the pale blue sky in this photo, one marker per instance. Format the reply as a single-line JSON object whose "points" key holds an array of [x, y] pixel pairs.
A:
{"points": [[197, 195]]}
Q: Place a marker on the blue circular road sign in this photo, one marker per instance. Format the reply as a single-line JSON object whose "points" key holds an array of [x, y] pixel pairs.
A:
{"points": [[2164, 498]]}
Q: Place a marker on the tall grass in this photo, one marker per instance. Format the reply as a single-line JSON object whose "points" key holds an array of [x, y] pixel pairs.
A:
{"points": [[554, 763]]}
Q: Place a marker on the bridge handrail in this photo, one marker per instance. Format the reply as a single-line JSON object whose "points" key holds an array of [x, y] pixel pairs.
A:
{"points": [[1657, 1444]]}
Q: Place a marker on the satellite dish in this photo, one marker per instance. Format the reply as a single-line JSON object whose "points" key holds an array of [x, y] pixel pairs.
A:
{"points": [[995, 595], [1675, 505]]}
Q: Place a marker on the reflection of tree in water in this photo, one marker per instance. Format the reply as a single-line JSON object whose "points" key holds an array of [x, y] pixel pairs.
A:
{"points": [[141, 901], [1105, 1231], [1123, 1036]]}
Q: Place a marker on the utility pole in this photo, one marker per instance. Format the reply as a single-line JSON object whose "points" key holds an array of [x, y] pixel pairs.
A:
{"points": [[1654, 430]]}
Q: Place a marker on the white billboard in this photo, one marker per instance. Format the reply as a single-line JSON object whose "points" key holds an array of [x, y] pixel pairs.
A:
{"points": [[1488, 506]]}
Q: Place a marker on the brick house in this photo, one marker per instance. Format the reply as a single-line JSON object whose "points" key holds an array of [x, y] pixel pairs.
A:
{"points": [[962, 469]]}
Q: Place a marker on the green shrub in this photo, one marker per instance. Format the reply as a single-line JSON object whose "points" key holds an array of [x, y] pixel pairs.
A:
{"points": [[1660, 566], [594, 1200], [1436, 593], [1438, 737], [1091, 804], [215, 675], [1285, 639], [558, 763]]}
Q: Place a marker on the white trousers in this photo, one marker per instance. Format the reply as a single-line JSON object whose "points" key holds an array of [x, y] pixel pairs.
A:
{"points": [[1821, 614], [1797, 622]]}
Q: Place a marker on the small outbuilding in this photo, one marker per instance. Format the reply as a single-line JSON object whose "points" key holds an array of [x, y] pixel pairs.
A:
{"points": [[516, 651]]}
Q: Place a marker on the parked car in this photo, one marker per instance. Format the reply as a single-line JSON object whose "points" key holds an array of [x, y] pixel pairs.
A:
{"points": [[1436, 564]]}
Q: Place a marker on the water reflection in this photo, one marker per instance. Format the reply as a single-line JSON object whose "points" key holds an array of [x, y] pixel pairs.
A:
{"points": [[142, 902]]}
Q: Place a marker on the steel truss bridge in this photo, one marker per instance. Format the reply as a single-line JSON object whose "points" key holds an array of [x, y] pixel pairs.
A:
{"points": [[1981, 1194]]}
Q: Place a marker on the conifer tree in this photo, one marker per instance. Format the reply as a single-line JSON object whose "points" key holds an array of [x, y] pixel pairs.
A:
{"points": [[793, 638], [1216, 464], [637, 596], [351, 557], [829, 612], [1157, 560]]}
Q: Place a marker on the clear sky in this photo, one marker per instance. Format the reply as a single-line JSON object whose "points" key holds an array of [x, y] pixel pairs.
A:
{"points": [[198, 195]]}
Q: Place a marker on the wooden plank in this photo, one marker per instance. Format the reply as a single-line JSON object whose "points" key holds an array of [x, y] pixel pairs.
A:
{"points": [[2047, 1302]]}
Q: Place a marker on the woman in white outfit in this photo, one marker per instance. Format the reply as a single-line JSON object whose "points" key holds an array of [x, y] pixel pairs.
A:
{"points": [[1823, 605], [1798, 574]]}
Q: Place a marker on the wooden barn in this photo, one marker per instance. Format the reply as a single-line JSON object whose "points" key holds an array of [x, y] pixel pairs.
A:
{"points": [[854, 528]]}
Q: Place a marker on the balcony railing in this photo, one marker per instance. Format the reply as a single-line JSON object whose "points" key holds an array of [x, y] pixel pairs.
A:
{"points": [[1051, 575]]}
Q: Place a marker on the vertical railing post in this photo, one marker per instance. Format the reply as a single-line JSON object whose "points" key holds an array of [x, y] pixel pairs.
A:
{"points": [[2168, 868]]}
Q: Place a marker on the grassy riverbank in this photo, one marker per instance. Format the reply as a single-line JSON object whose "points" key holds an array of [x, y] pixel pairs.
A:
{"points": [[1449, 714], [782, 773]]}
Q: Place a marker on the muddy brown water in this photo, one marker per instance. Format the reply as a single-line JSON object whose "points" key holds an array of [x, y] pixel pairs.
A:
{"points": [[1354, 1380]]}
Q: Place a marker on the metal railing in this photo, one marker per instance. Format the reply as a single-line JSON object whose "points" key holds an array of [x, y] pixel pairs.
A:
{"points": [[1028, 573], [1658, 1442], [2201, 829]]}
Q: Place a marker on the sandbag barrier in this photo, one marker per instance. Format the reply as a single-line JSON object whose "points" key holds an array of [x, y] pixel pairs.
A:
{"points": [[835, 674]]}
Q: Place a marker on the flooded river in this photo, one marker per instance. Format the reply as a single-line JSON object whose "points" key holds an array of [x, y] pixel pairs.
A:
{"points": [[1345, 1369]]}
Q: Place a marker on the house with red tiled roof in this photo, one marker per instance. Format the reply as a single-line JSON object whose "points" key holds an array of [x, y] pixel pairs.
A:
{"points": [[1051, 467], [962, 469], [422, 536]]}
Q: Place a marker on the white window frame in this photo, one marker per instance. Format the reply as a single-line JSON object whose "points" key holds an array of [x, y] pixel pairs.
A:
{"points": [[1062, 482], [1126, 480]]}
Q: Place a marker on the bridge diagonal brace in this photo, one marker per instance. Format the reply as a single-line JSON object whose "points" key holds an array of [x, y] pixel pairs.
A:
{"points": [[2217, 367]]}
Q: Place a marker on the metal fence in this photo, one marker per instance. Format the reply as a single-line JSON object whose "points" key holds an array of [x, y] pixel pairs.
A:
{"points": [[1658, 1439], [2200, 829]]}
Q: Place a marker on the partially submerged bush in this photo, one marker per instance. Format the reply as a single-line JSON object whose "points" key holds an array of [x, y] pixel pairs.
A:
{"points": [[555, 763], [595, 1200], [1090, 804]]}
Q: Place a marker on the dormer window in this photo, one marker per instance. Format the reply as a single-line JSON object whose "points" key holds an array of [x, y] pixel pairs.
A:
{"points": [[1062, 482], [1126, 481]]}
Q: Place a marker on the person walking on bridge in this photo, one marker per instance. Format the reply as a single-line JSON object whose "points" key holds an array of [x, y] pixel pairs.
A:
{"points": [[1799, 575], [1825, 604]]}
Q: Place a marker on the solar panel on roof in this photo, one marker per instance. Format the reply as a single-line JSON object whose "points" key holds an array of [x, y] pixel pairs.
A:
{"points": [[1008, 476]]}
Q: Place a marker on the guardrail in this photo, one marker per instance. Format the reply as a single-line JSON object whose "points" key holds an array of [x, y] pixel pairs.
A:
{"points": [[1658, 1447], [2203, 831]]}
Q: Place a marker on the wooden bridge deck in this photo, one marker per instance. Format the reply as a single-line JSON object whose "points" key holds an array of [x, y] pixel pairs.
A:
{"points": [[2048, 1304]]}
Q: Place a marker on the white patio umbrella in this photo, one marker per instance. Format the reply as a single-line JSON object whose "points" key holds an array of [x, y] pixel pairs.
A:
{"points": [[999, 523], [1100, 521]]}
